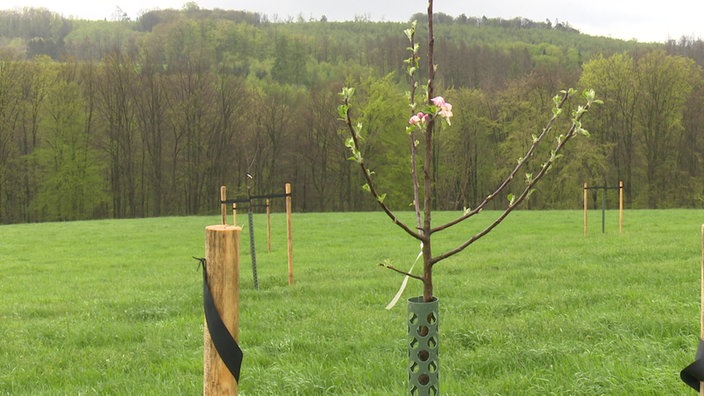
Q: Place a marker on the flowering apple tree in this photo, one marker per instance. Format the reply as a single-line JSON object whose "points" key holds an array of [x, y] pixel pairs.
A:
{"points": [[425, 118]]}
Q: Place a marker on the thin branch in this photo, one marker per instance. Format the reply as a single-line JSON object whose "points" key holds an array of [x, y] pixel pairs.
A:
{"points": [[524, 194], [510, 177], [427, 165], [408, 274], [414, 177], [427, 169], [372, 188], [412, 135]]}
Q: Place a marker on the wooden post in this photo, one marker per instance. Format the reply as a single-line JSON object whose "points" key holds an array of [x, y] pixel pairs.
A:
{"points": [[701, 334], [222, 244], [289, 233], [268, 226], [603, 208], [234, 214], [223, 205], [586, 197], [620, 206]]}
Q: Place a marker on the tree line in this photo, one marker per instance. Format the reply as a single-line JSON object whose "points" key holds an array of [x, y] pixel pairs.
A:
{"points": [[149, 117]]}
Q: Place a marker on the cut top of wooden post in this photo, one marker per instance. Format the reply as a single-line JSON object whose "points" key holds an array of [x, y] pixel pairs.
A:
{"points": [[223, 227]]}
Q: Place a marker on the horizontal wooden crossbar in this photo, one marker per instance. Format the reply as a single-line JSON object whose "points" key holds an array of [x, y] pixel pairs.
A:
{"points": [[249, 199], [602, 188]]}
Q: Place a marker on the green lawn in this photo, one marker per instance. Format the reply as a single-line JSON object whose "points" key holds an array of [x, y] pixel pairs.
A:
{"points": [[535, 308]]}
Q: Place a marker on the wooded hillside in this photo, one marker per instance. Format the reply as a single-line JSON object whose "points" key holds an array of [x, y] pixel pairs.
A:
{"points": [[149, 117]]}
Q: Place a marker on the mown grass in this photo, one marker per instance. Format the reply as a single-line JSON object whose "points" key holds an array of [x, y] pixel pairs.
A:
{"points": [[536, 308]]}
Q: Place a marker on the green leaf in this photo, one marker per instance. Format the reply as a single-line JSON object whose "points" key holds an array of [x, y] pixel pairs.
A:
{"points": [[410, 32], [347, 93], [342, 110], [529, 178], [554, 156], [557, 99], [358, 129], [356, 156]]}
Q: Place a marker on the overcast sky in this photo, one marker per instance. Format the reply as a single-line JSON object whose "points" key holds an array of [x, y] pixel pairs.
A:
{"points": [[643, 20]]}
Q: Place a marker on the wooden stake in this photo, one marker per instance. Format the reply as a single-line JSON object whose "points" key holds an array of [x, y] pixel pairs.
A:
{"points": [[586, 196], [289, 233], [222, 244], [268, 226], [234, 214], [223, 205], [701, 324], [620, 206]]}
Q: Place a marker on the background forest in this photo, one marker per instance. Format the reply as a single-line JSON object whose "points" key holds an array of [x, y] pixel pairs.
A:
{"points": [[149, 117]]}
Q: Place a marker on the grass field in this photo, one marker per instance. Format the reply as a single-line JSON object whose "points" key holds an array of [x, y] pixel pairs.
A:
{"points": [[536, 308]]}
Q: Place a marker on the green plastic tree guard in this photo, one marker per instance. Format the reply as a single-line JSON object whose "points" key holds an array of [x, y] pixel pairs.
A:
{"points": [[423, 362]]}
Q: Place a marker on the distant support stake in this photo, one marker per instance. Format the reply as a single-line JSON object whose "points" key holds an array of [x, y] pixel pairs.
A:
{"points": [[620, 206], [268, 226], [586, 206], [252, 247], [603, 210], [223, 205], [289, 232]]}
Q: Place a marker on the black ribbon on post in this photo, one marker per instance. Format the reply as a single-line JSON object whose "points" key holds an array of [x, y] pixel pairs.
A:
{"points": [[693, 374], [225, 344]]}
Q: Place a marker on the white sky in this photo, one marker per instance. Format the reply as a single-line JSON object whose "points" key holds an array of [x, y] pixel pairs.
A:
{"points": [[643, 20]]}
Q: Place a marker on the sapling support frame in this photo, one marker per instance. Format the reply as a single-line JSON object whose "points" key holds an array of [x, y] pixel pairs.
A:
{"points": [[604, 189], [248, 203]]}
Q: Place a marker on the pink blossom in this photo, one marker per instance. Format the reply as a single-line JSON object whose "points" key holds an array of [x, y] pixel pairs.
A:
{"points": [[418, 118], [438, 101], [445, 108]]}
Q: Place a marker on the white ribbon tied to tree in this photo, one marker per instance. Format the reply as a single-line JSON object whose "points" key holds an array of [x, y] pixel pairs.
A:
{"points": [[405, 280]]}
